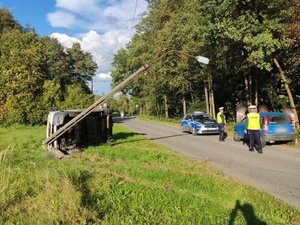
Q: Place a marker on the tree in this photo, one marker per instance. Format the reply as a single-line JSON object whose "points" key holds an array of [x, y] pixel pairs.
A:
{"points": [[240, 38], [21, 75], [76, 98], [37, 73], [84, 67], [7, 22]]}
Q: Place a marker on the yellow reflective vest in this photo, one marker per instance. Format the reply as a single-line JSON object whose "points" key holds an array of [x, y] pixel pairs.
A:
{"points": [[253, 121], [219, 118]]}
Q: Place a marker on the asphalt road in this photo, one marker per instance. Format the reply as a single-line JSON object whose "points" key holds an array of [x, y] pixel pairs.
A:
{"points": [[276, 171]]}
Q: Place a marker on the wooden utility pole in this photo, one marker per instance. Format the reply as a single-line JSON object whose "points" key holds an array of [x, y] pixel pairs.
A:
{"points": [[206, 98], [184, 105], [90, 109], [211, 96], [287, 88], [118, 88]]}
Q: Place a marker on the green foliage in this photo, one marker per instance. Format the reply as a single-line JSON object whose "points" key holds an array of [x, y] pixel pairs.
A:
{"points": [[37, 74], [240, 38], [83, 65], [122, 184], [76, 98], [7, 22]]}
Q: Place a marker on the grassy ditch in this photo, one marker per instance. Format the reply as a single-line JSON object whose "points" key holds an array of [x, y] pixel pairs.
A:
{"points": [[136, 181], [169, 121]]}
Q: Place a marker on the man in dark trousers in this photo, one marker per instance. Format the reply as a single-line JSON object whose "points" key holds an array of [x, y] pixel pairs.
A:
{"points": [[221, 123], [253, 125]]}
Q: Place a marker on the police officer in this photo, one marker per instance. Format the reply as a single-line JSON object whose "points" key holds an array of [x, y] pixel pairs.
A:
{"points": [[221, 123], [253, 125]]}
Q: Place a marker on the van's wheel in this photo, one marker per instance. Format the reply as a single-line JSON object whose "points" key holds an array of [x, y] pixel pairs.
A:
{"points": [[194, 131], [236, 137], [182, 129], [263, 141]]}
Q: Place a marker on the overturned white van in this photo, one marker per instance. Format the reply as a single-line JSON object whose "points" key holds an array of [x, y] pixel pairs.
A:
{"points": [[94, 129]]}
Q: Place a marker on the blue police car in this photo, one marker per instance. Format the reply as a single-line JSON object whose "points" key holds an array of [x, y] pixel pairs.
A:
{"points": [[275, 126], [199, 123]]}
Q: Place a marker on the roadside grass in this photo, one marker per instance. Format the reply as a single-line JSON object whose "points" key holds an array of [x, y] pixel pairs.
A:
{"points": [[170, 121], [136, 181]]}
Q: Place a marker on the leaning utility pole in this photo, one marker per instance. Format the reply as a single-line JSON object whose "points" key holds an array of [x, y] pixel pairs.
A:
{"points": [[118, 88], [87, 111]]}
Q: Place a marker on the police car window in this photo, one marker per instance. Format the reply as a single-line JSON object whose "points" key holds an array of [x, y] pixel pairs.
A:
{"points": [[188, 117], [201, 117], [198, 117]]}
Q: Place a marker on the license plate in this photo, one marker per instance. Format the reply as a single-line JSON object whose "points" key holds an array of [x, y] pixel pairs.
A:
{"points": [[281, 130], [211, 129]]}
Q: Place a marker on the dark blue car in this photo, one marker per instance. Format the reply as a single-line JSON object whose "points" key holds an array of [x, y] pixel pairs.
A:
{"points": [[199, 123], [275, 126]]}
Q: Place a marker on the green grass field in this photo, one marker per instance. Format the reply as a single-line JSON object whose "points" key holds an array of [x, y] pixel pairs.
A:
{"points": [[136, 181]]}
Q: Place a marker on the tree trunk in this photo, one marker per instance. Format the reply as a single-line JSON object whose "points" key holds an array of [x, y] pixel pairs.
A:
{"points": [[256, 89], [191, 91], [141, 109], [213, 104], [157, 109], [287, 88], [147, 108], [206, 98], [166, 106], [184, 106], [247, 90], [251, 89], [211, 97]]}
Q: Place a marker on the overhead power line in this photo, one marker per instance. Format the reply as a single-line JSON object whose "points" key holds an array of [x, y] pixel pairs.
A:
{"points": [[133, 19]]}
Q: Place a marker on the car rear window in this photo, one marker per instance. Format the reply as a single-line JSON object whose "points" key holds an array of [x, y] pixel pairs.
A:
{"points": [[279, 119]]}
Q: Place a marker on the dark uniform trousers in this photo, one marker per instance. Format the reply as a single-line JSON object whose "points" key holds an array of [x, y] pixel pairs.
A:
{"points": [[221, 131], [254, 136]]}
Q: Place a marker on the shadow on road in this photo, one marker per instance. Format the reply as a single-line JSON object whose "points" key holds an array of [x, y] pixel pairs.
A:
{"points": [[124, 135], [248, 213], [170, 136], [122, 119]]}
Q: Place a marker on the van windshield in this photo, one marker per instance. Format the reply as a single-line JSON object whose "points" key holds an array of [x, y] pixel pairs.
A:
{"points": [[280, 119]]}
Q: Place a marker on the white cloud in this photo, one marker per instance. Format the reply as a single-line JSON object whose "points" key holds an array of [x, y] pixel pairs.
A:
{"points": [[65, 40], [106, 26], [78, 6], [101, 16], [102, 47], [62, 19], [104, 76]]}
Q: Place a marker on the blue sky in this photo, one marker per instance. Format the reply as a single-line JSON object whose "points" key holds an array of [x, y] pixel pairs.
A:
{"points": [[102, 27]]}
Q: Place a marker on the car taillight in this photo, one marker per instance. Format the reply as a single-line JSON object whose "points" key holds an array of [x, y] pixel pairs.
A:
{"points": [[265, 124]]}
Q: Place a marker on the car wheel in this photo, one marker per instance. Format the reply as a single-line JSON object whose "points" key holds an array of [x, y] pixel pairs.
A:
{"points": [[194, 131], [236, 137], [263, 141], [182, 129]]}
